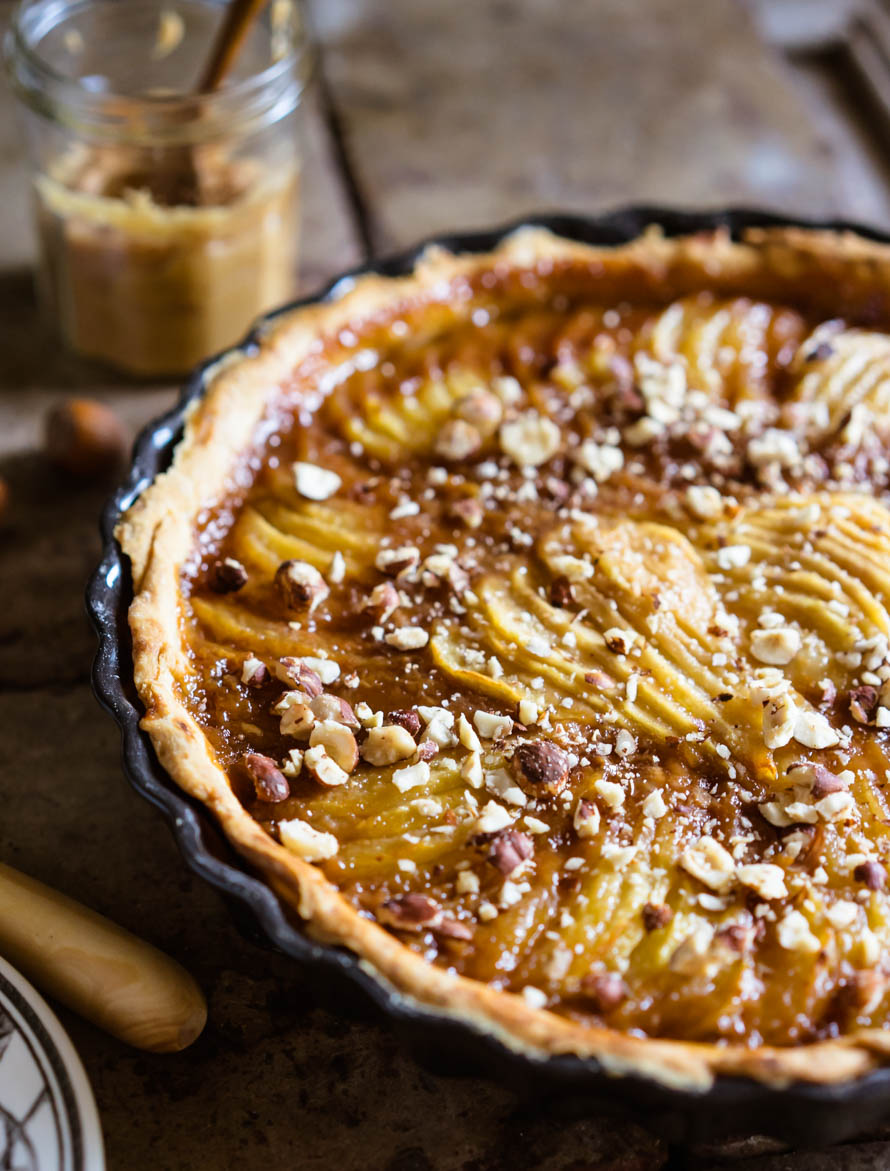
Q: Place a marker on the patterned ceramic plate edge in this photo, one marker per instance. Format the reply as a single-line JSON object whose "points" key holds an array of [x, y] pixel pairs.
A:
{"points": [[48, 1117]]}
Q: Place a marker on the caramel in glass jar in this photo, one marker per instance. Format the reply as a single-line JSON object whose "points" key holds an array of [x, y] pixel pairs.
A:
{"points": [[167, 218], [153, 288]]}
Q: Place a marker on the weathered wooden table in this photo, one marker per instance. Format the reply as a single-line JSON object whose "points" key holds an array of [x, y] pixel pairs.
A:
{"points": [[436, 115]]}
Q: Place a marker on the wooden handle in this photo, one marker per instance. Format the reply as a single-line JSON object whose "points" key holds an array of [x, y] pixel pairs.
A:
{"points": [[102, 972], [237, 20]]}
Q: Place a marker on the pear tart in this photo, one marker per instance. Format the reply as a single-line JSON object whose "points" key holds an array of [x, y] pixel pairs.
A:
{"points": [[525, 622]]}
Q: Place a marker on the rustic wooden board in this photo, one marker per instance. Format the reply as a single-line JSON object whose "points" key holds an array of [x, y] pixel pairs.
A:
{"points": [[467, 113], [454, 112]]}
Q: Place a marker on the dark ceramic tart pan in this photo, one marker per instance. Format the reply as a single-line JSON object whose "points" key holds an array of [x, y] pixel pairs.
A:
{"points": [[800, 1113]]}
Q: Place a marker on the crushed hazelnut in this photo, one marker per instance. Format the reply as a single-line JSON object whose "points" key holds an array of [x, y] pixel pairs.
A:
{"points": [[733, 557], [383, 601], [654, 805], [534, 997], [710, 863], [812, 730], [491, 726], [458, 440], [293, 766], [307, 842], [656, 915], [467, 735], [740, 936], [535, 825], [776, 646], [468, 511], [471, 770], [836, 807], [448, 928], [409, 912], [779, 719], [412, 776], [862, 992], [606, 991], [587, 819], [774, 447], [332, 707], [863, 704], [542, 763], [368, 717], [269, 782], [493, 817], [338, 741], [387, 745], [323, 767], [407, 638], [530, 440], [427, 749], [297, 673], [326, 669], [397, 562], [510, 850], [527, 712], [871, 874], [315, 483], [827, 692], [599, 459], [610, 793], [482, 409], [794, 934], [842, 914], [300, 585], [508, 390], [228, 576], [704, 502], [625, 743], [619, 641], [439, 723], [407, 719], [253, 671], [297, 720], [561, 592], [337, 568], [766, 879], [820, 779]]}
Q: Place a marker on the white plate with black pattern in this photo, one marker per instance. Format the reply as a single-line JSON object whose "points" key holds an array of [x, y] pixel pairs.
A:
{"points": [[48, 1117]]}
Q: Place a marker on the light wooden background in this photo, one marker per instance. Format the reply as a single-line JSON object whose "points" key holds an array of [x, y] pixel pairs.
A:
{"points": [[432, 115]]}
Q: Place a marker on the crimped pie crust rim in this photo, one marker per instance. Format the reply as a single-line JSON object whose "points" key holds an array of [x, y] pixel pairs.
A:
{"points": [[156, 533]]}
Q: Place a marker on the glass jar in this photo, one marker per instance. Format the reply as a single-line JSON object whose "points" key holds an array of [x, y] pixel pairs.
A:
{"points": [[167, 221]]}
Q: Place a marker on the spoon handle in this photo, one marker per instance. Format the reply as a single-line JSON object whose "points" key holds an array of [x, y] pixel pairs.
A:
{"points": [[237, 20]]}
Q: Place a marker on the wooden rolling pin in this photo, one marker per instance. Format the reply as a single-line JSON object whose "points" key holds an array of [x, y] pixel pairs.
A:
{"points": [[102, 972]]}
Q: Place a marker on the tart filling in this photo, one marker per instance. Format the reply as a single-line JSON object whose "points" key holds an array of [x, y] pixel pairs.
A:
{"points": [[526, 623]]}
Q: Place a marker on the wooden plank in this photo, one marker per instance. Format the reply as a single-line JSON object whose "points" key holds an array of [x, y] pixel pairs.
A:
{"points": [[462, 113]]}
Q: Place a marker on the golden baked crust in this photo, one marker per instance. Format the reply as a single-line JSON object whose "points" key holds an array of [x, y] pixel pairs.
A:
{"points": [[806, 307]]}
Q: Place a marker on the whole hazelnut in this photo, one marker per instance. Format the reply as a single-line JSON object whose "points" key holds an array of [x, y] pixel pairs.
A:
{"points": [[85, 438]]}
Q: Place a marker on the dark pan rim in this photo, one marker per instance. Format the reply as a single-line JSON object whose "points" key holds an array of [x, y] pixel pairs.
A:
{"points": [[801, 1113]]}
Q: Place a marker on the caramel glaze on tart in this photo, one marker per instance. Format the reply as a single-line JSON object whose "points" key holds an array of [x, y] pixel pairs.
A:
{"points": [[547, 618]]}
